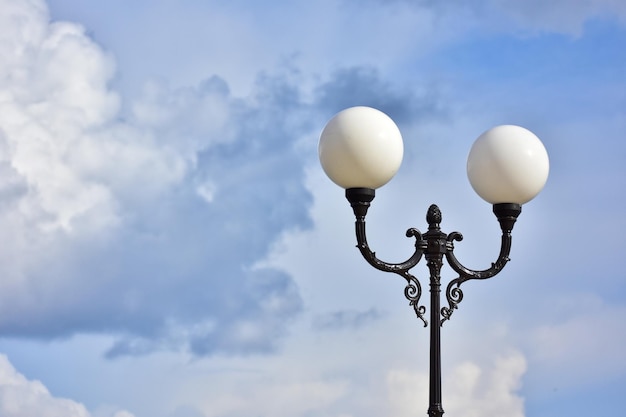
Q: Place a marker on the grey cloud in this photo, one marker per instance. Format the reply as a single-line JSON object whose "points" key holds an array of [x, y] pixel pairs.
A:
{"points": [[146, 220], [565, 16], [560, 16], [177, 270], [177, 260], [363, 86], [110, 224], [339, 320]]}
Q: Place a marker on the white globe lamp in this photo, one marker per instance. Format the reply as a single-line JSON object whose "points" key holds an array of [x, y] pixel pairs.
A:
{"points": [[508, 164], [361, 147]]}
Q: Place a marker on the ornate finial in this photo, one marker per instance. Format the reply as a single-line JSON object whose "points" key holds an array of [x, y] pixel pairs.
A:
{"points": [[433, 217]]}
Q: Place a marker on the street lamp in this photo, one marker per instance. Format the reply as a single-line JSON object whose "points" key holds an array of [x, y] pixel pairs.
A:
{"points": [[361, 149]]}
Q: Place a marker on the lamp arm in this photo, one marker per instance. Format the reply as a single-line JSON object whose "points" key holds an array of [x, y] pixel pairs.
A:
{"points": [[507, 214], [413, 289], [466, 273], [360, 199], [370, 256]]}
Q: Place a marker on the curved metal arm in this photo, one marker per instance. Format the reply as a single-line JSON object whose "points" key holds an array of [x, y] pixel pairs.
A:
{"points": [[413, 290], [507, 215], [360, 199], [466, 273], [370, 256]]}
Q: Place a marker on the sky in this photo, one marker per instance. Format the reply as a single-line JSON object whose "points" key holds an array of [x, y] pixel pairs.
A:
{"points": [[172, 248]]}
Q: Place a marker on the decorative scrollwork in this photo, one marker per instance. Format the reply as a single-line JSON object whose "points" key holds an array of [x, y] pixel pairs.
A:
{"points": [[413, 292], [413, 232], [454, 294]]}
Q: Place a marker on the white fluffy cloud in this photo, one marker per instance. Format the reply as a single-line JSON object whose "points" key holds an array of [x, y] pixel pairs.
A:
{"points": [[279, 400], [116, 217], [470, 391], [144, 219], [59, 134], [21, 397]]}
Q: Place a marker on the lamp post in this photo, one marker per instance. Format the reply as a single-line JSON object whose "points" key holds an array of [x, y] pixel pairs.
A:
{"points": [[361, 149]]}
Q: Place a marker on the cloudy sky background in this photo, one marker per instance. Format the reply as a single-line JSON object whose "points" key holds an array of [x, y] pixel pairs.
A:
{"points": [[171, 247]]}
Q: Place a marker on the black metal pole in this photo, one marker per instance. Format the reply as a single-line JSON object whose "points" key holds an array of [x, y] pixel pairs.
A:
{"points": [[435, 407], [435, 249]]}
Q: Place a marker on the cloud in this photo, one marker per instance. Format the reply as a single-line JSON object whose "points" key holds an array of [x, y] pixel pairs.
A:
{"points": [[148, 219], [278, 399], [564, 16], [523, 16], [471, 390], [143, 223], [339, 320], [365, 86], [186, 411], [21, 397]]}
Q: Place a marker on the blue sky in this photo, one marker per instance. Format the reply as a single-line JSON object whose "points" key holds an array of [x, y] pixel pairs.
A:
{"points": [[172, 247]]}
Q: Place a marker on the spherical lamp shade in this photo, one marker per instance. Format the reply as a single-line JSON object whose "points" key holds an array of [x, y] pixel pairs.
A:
{"points": [[361, 147], [508, 164]]}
